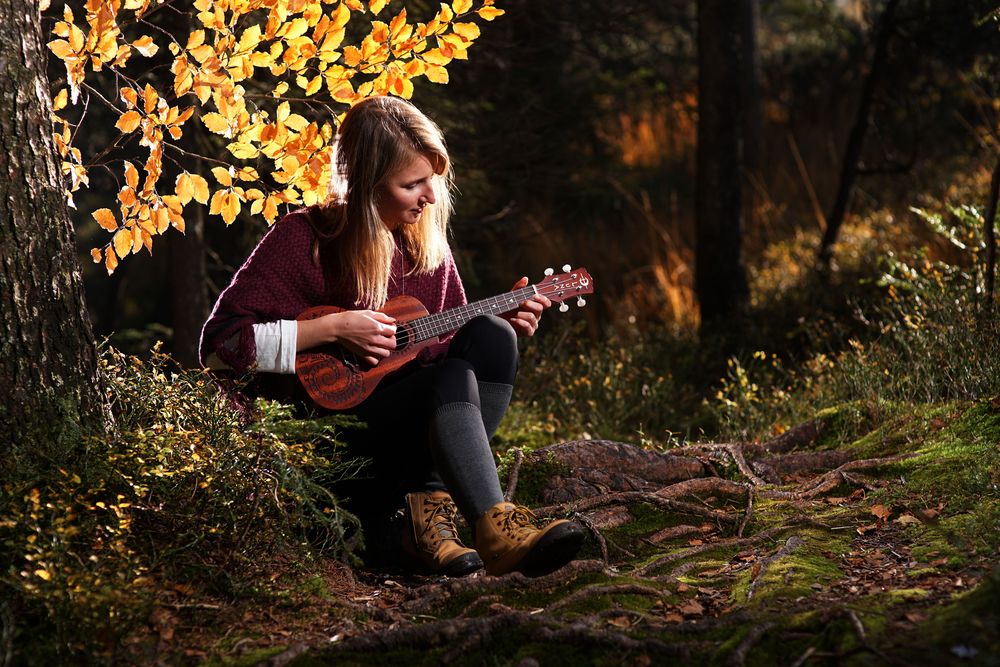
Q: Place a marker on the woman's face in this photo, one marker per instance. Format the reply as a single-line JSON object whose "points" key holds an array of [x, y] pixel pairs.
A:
{"points": [[404, 194]]}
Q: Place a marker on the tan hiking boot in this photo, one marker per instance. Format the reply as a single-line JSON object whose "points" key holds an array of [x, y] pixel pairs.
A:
{"points": [[507, 540], [430, 536]]}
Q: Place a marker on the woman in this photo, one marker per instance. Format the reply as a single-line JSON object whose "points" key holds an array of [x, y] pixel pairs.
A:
{"points": [[382, 234]]}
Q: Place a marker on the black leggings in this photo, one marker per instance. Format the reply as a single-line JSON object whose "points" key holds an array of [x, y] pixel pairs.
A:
{"points": [[398, 412]]}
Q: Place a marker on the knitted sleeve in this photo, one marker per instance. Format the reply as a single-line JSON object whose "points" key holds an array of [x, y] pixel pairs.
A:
{"points": [[277, 282]]}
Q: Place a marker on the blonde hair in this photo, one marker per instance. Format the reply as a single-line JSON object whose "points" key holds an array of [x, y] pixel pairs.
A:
{"points": [[378, 137]]}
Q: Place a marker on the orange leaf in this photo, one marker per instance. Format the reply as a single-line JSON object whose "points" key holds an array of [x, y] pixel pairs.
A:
{"points": [[461, 6], [184, 187], [200, 189], [122, 242], [145, 46], [106, 219], [436, 74], [110, 261], [131, 175], [223, 176], [129, 121], [95, 253], [375, 6], [490, 13]]}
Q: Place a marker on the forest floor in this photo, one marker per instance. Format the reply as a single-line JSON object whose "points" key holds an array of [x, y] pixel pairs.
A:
{"points": [[835, 543]]}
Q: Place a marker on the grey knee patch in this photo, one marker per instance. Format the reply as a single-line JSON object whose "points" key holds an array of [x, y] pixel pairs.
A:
{"points": [[494, 397]]}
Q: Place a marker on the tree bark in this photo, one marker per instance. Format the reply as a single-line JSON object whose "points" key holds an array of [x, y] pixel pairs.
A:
{"points": [[720, 276], [189, 305], [856, 138], [48, 358], [990, 235]]}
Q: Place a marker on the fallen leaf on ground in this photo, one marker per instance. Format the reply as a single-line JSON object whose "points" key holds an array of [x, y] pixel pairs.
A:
{"points": [[691, 608]]}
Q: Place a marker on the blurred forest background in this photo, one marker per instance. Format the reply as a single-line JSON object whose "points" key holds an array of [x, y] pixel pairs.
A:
{"points": [[574, 133]]}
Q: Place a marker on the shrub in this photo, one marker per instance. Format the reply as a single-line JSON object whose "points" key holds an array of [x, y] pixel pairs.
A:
{"points": [[184, 493]]}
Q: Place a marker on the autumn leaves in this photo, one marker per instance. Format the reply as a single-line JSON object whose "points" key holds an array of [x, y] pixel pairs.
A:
{"points": [[240, 68]]}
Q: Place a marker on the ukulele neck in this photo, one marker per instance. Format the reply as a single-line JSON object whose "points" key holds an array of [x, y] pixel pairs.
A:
{"points": [[439, 324]]}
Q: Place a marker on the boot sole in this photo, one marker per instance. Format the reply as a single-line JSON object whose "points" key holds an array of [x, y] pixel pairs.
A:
{"points": [[463, 565], [553, 550]]}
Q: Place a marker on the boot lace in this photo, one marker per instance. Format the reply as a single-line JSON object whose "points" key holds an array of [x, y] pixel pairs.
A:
{"points": [[519, 522], [441, 522]]}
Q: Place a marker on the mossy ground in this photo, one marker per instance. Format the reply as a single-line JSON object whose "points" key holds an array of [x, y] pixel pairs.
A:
{"points": [[897, 562]]}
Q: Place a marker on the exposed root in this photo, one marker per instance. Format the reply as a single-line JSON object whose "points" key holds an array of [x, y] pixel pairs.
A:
{"points": [[515, 469], [793, 543], [739, 655], [432, 595], [666, 559], [747, 514], [601, 542], [597, 591], [634, 497], [703, 485], [832, 479]]}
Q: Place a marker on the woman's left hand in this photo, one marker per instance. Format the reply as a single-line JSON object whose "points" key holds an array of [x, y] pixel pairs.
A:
{"points": [[527, 316]]}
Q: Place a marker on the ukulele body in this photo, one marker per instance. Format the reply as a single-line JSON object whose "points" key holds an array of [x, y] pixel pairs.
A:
{"points": [[336, 379]]}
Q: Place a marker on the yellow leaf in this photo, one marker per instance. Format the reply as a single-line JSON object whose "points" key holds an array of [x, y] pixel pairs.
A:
{"points": [[61, 48], [229, 206], [243, 151], [126, 196], [145, 46], [184, 188], [106, 219], [110, 261], [136, 239], [216, 205], [380, 31], [223, 176], [43, 574], [461, 6], [131, 175], [129, 121], [436, 74], [95, 253], [122, 242], [147, 241], [59, 103], [490, 13], [468, 31], [149, 98], [215, 122], [352, 56], [314, 85], [296, 28], [375, 6], [435, 57], [161, 219], [250, 38], [397, 24], [129, 97], [271, 208], [200, 189]]}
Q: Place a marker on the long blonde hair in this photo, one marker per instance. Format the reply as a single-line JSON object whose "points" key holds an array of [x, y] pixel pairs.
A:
{"points": [[378, 137]]}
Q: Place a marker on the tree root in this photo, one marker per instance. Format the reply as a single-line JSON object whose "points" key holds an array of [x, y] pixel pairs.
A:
{"points": [[601, 542], [793, 543], [632, 498], [666, 559], [739, 655], [515, 469], [597, 591], [432, 595], [832, 479]]}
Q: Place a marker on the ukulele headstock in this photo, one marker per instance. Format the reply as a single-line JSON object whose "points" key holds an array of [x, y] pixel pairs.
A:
{"points": [[563, 286]]}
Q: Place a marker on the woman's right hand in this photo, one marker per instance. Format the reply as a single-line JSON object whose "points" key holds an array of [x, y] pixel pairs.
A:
{"points": [[367, 333]]}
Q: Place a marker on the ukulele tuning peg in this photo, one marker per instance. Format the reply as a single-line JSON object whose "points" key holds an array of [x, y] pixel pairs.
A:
{"points": [[566, 267], [580, 301], [563, 307], [549, 272]]}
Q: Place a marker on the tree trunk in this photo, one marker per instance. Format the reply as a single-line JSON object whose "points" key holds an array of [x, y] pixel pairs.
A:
{"points": [[856, 139], [720, 277], [48, 359], [189, 305]]}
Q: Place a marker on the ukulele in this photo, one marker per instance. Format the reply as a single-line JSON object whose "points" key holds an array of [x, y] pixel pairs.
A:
{"points": [[336, 379]]}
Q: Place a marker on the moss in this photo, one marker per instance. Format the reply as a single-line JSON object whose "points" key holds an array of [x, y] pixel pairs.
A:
{"points": [[906, 594], [789, 577], [533, 477]]}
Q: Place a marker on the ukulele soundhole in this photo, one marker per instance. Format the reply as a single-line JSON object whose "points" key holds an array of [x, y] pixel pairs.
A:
{"points": [[404, 335]]}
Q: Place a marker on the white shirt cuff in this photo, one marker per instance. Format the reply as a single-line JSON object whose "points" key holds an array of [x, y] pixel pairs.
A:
{"points": [[276, 343]]}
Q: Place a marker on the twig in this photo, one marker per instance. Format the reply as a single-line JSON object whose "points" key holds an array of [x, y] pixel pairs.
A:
{"points": [[515, 469], [736, 451], [738, 657], [748, 514], [596, 533], [804, 658], [793, 543]]}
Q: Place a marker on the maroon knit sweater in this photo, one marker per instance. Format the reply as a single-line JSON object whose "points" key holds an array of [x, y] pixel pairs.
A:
{"points": [[280, 280]]}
